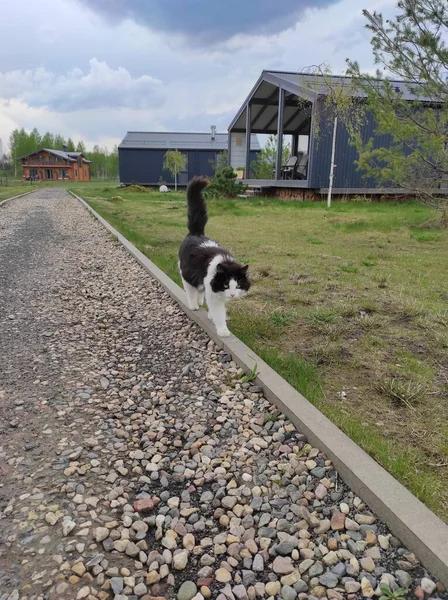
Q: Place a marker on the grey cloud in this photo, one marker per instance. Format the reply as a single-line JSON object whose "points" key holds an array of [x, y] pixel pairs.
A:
{"points": [[205, 22]]}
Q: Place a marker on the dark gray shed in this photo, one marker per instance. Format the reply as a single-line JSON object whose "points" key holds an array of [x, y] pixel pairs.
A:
{"points": [[141, 155], [286, 103]]}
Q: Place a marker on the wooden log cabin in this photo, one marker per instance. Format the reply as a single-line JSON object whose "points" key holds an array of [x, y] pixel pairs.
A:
{"points": [[55, 165]]}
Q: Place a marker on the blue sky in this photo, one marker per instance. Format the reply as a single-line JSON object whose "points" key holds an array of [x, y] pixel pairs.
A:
{"points": [[93, 69]]}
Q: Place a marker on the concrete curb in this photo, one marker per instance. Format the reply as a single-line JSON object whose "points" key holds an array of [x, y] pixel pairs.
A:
{"points": [[15, 197], [409, 519]]}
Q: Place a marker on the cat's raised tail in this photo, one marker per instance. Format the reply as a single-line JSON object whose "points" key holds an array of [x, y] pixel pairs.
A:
{"points": [[197, 210]]}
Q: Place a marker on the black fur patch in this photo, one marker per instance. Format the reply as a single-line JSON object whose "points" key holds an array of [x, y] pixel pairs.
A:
{"points": [[227, 270]]}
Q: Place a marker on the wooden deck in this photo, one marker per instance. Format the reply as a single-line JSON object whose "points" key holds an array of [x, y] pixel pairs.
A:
{"points": [[303, 184]]}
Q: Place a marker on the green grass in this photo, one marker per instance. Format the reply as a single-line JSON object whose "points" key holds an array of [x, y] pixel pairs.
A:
{"points": [[349, 300], [15, 188]]}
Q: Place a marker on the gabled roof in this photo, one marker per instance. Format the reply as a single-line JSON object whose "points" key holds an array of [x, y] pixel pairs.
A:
{"points": [[70, 156], [164, 140], [309, 87]]}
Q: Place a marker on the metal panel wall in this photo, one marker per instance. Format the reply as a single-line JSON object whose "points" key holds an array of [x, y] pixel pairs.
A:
{"points": [[146, 166], [346, 173]]}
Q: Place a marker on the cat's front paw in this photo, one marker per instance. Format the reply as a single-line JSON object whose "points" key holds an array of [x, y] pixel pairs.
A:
{"points": [[223, 332]]}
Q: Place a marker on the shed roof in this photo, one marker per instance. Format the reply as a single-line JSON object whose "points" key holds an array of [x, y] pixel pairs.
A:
{"points": [[164, 140], [264, 99]]}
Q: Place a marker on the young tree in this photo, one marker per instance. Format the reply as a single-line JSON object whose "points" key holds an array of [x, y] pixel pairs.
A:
{"points": [[174, 162], [221, 161], [263, 167], [21, 143], [70, 145], [35, 140], [80, 147], [411, 47]]}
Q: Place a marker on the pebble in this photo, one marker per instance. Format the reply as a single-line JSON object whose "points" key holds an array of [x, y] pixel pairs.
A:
{"points": [[288, 593], [427, 585], [180, 560], [223, 575], [282, 565], [187, 591], [329, 580], [272, 588]]}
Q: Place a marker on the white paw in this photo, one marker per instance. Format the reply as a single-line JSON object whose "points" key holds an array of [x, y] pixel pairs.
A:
{"points": [[193, 307], [223, 332], [209, 315]]}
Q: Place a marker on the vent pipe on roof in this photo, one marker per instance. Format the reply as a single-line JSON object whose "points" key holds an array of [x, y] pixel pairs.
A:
{"points": [[213, 128]]}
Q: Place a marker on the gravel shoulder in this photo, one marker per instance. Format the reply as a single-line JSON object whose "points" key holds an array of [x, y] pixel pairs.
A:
{"points": [[134, 464]]}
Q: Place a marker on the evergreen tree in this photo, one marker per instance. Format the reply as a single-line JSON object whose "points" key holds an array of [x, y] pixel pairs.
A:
{"points": [[47, 140], [411, 47], [59, 142]]}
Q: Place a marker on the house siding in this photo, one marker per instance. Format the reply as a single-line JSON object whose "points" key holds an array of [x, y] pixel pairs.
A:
{"points": [[346, 172], [145, 166], [48, 167], [237, 150]]}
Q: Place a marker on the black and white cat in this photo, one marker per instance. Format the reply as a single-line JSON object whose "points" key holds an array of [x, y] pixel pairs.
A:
{"points": [[208, 270]]}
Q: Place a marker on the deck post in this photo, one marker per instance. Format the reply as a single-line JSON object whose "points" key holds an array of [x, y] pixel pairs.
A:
{"points": [[295, 144], [281, 107], [248, 137], [229, 149]]}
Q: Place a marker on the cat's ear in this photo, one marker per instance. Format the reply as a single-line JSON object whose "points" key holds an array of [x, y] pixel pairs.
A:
{"points": [[220, 268], [244, 269]]}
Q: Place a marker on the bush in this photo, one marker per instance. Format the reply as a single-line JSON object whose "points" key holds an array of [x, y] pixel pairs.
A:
{"points": [[224, 183]]}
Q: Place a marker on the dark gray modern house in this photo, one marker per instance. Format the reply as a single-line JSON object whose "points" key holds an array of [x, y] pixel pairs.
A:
{"points": [[141, 155], [286, 104]]}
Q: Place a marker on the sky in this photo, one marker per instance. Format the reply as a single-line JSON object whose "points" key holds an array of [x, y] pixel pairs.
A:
{"points": [[94, 69]]}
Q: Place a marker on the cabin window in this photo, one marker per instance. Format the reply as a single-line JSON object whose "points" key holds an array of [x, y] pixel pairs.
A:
{"points": [[85, 172], [76, 172]]}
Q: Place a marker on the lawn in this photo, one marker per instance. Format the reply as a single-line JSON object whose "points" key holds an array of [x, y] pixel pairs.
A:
{"points": [[14, 188], [349, 305]]}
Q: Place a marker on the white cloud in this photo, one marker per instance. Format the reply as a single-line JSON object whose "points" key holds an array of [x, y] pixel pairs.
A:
{"points": [[101, 87]]}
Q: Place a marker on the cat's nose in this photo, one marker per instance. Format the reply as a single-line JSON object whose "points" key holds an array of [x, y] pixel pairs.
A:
{"points": [[232, 294]]}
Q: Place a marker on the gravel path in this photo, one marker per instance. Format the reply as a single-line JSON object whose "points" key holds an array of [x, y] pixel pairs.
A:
{"points": [[132, 462]]}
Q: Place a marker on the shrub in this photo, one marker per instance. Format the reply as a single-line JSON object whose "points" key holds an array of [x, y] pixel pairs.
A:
{"points": [[224, 184]]}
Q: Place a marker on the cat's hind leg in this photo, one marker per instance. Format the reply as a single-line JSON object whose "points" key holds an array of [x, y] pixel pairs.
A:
{"points": [[192, 295]]}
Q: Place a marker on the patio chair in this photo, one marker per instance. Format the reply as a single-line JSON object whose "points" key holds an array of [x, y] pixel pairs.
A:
{"points": [[288, 169], [302, 167]]}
